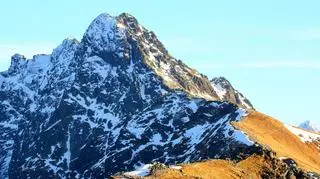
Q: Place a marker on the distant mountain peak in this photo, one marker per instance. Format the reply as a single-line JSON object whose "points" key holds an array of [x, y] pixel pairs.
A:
{"points": [[310, 126]]}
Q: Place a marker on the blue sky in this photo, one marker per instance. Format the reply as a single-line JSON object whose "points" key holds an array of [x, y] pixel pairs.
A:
{"points": [[269, 50]]}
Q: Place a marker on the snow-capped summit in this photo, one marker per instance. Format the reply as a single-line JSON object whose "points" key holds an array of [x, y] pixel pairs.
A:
{"points": [[109, 102], [310, 126], [108, 34], [103, 34]]}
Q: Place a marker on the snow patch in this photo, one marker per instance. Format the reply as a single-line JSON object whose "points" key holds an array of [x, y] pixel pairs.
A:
{"points": [[140, 171], [241, 114], [221, 92], [175, 167], [193, 106], [156, 139], [144, 170], [67, 154], [195, 133], [303, 135], [242, 137]]}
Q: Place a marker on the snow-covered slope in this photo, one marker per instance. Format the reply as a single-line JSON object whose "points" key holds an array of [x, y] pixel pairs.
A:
{"points": [[115, 100], [310, 126], [304, 135]]}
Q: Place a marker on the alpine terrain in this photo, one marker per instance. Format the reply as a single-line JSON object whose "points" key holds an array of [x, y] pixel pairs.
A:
{"points": [[310, 126], [117, 100]]}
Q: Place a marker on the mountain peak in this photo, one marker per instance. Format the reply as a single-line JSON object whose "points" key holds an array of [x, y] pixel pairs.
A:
{"points": [[66, 44], [131, 24], [122, 41], [127, 17], [226, 92], [310, 126], [117, 36], [17, 62], [222, 81], [103, 34]]}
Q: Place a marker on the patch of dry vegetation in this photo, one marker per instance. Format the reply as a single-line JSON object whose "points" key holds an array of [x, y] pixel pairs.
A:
{"points": [[255, 166], [208, 169]]}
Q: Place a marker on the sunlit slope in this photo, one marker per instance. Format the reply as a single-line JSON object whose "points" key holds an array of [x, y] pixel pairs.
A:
{"points": [[256, 166], [273, 134]]}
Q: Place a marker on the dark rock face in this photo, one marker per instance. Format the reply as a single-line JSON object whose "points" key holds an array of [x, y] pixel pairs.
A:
{"points": [[111, 102], [285, 168]]}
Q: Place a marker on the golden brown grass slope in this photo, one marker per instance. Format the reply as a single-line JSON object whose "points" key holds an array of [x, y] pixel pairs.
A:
{"points": [[272, 133], [253, 167]]}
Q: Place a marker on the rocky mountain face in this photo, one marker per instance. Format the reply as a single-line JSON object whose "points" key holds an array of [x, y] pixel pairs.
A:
{"points": [[110, 102], [310, 126], [226, 92]]}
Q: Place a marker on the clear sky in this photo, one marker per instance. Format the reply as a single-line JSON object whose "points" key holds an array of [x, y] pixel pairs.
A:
{"points": [[269, 50]]}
